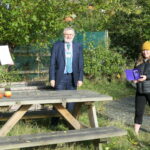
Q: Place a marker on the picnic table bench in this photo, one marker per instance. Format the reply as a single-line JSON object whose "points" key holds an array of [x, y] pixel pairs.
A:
{"points": [[42, 139], [58, 99]]}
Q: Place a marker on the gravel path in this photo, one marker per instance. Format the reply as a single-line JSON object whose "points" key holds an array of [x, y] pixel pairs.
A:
{"points": [[123, 110]]}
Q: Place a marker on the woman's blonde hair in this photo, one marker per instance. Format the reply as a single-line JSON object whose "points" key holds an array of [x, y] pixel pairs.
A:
{"points": [[140, 60]]}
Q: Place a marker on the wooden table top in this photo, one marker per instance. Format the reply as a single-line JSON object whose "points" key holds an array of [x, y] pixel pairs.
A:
{"points": [[28, 97]]}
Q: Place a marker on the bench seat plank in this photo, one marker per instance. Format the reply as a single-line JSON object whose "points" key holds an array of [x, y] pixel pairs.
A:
{"points": [[59, 137], [30, 114]]}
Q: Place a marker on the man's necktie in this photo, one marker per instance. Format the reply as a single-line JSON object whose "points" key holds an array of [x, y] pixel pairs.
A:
{"points": [[68, 45], [68, 59]]}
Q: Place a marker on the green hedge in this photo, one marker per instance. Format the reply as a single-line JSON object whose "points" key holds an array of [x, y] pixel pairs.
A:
{"points": [[103, 62]]}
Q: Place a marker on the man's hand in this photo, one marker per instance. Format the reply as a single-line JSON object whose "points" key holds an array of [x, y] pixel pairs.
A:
{"points": [[52, 83], [79, 83]]}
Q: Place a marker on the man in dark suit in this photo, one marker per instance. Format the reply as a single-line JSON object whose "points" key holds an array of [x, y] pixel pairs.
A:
{"points": [[66, 65], [66, 69]]}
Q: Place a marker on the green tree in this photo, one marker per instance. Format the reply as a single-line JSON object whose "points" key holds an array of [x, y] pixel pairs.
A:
{"points": [[36, 21], [29, 22], [129, 29]]}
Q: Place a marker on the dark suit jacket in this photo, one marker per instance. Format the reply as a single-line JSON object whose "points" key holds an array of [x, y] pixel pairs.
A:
{"points": [[57, 62]]}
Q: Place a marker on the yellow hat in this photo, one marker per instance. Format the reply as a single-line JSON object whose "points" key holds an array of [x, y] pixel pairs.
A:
{"points": [[146, 46]]}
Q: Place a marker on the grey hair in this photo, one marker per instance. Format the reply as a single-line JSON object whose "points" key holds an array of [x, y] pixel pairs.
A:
{"points": [[69, 28]]}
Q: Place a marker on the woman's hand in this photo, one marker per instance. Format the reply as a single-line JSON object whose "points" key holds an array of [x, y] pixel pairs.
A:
{"points": [[142, 78], [135, 81]]}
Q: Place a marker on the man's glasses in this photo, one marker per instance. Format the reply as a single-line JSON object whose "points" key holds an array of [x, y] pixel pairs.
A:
{"points": [[68, 34]]}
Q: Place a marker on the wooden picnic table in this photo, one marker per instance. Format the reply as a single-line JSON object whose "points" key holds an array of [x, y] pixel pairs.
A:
{"points": [[58, 99]]}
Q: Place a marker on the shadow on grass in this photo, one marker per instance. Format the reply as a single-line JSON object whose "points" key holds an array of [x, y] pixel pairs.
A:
{"points": [[46, 123], [84, 145]]}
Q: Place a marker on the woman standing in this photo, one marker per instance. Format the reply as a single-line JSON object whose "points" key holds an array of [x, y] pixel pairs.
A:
{"points": [[142, 95]]}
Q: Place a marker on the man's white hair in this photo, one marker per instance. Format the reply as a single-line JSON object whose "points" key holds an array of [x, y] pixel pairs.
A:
{"points": [[69, 28]]}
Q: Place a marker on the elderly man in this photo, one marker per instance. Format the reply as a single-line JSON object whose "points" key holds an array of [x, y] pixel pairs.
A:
{"points": [[66, 64], [66, 69]]}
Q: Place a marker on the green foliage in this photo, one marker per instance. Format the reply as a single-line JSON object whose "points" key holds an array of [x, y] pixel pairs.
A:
{"points": [[36, 22], [129, 29], [26, 22], [102, 62], [7, 76]]}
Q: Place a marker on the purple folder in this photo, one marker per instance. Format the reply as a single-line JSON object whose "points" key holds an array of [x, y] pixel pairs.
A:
{"points": [[132, 74]]}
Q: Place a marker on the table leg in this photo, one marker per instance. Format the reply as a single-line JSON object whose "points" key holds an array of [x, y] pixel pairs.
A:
{"points": [[92, 115], [14, 119], [68, 116]]}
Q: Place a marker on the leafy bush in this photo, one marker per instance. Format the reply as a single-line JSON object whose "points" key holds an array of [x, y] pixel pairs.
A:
{"points": [[102, 62], [8, 76]]}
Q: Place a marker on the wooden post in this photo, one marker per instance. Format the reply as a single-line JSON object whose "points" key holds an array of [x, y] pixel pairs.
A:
{"points": [[97, 144], [92, 115], [14, 119]]}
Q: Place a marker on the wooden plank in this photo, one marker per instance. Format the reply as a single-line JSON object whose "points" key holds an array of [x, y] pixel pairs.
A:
{"points": [[59, 137], [68, 116], [13, 120], [30, 115], [7, 103], [92, 115], [106, 130], [52, 97], [35, 115], [31, 71]]}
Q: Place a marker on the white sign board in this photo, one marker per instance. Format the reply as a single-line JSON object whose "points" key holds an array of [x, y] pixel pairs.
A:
{"points": [[5, 57]]}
